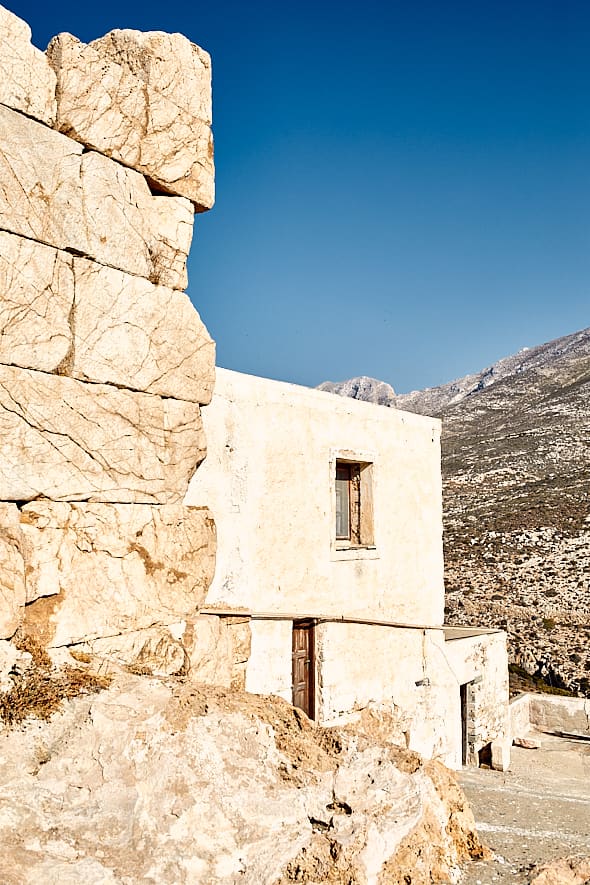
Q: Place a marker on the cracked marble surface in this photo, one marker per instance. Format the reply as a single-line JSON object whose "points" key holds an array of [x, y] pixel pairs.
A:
{"points": [[54, 192], [67, 440], [142, 99], [98, 570], [27, 82], [71, 316]]}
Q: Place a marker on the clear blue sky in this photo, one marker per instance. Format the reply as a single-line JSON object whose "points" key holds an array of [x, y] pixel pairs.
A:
{"points": [[403, 187]]}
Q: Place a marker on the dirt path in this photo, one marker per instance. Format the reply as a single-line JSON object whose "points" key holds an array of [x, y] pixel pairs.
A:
{"points": [[538, 810]]}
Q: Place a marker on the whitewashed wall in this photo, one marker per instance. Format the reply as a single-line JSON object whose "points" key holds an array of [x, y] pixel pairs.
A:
{"points": [[269, 478]]}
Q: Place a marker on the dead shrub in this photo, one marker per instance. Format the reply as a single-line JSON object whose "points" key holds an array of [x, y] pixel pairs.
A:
{"points": [[39, 692]]}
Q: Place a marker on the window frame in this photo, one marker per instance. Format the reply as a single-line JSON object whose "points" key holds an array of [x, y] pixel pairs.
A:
{"points": [[358, 472]]}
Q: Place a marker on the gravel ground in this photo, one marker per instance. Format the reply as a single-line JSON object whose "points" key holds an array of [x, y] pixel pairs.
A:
{"points": [[537, 811]]}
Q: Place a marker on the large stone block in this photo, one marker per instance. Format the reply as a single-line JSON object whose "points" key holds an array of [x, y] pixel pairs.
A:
{"points": [[67, 440], [98, 570], [131, 333], [53, 192], [27, 82], [36, 299], [72, 316], [12, 571], [146, 102]]}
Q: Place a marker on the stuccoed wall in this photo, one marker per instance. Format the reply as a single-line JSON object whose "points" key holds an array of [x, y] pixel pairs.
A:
{"points": [[269, 480], [560, 714], [105, 155], [482, 660]]}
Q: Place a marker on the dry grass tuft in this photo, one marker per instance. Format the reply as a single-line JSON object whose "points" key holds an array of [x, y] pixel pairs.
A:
{"points": [[39, 692]]}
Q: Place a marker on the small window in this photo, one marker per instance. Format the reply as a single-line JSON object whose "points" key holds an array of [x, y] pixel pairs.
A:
{"points": [[354, 504]]}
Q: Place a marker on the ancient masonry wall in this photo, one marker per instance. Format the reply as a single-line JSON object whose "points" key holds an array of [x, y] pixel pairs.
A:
{"points": [[105, 155]]}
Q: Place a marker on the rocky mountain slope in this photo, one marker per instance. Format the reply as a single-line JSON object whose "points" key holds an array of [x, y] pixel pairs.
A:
{"points": [[516, 469]]}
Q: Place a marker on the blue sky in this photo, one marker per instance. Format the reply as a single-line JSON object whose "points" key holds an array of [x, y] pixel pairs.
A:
{"points": [[403, 189]]}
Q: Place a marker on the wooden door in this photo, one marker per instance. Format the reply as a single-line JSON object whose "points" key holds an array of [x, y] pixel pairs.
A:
{"points": [[303, 667]]}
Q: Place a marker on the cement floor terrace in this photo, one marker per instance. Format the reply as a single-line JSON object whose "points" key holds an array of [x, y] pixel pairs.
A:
{"points": [[536, 811]]}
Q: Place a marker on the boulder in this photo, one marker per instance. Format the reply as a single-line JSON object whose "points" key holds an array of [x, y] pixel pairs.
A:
{"points": [[67, 440], [53, 192], [12, 570], [99, 570], [563, 871], [218, 649], [27, 82], [154, 651], [170, 782], [143, 99]]}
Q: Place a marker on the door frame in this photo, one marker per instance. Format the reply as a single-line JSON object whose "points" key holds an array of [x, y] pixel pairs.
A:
{"points": [[307, 624]]}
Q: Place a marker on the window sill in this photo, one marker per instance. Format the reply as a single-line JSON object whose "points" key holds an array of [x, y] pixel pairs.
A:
{"points": [[350, 551]]}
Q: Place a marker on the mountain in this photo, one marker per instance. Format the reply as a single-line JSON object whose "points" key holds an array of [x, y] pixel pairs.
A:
{"points": [[516, 472], [369, 389]]}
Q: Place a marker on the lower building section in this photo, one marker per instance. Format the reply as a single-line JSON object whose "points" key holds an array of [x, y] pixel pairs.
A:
{"points": [[443, 693]]}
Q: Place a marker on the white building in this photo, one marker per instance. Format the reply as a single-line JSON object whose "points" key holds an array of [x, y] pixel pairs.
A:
{"points": [[329, 523]]}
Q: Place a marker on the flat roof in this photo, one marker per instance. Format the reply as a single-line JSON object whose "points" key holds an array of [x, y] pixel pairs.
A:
{"points": [[467, 632]]}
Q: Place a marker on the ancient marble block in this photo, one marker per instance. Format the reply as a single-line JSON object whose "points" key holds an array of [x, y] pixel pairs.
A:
{"points": [[142, 99], [27, 82], [133, 334], [172, 225], [36, 300], [12, 571], [40, 191], [110, 568], [53, 192], [78, 318], [67, 440]]}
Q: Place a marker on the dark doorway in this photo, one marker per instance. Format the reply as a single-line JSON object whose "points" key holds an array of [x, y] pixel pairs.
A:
{"points": [[303, 667], [464, 717]]}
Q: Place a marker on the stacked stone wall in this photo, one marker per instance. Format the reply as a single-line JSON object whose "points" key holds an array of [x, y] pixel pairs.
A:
{"points": [[105, 156]]}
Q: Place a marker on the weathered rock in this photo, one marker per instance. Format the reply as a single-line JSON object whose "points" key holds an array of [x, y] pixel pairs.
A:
{"points": [[106, 569], [67, 440], [155, 651], [27, 82], [52, 192], [526, 743], [36, 298], [14, 664], [563, 871], [167, 781], [95, 323], [218, 650], [143, 99], [172, 226], [133, 334], [12, 570]]}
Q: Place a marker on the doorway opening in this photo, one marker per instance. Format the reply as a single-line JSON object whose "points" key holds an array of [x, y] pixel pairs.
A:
{"points": [[304, 667]]}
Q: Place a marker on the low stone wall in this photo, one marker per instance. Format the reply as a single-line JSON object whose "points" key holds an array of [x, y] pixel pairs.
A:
{"points": [[105, 155], [550, 713], [560, 714], [520, 722]]}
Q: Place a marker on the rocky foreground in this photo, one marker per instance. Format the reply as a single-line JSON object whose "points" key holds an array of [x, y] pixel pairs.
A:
{"points": [[167, 781]]}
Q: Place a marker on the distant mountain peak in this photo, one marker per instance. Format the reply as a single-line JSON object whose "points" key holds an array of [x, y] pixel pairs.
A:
{"points": [[370, 390]]}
